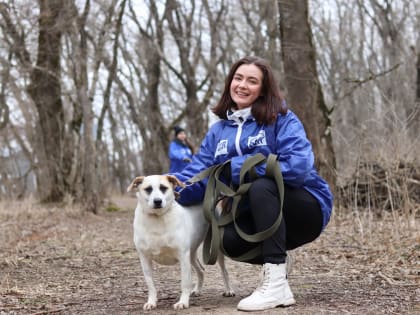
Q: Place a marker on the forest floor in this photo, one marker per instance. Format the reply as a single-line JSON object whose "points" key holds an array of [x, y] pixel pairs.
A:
{"points": [[59, 260]]}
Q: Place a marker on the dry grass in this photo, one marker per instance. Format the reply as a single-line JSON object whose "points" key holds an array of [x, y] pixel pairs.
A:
{"points": [[389, 245], [59, 260]]}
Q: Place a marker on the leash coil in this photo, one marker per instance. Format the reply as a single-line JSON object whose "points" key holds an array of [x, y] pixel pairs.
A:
{"points": [[216, 190]]}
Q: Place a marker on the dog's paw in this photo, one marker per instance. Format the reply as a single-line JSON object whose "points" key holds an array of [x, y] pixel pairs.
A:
{"points": [[149, 306], [195, 292], [180, 306], [229, 293]]}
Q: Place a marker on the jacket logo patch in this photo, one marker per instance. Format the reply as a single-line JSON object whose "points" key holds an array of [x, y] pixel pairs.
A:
{"points": [[221, 148], [258, 140]]}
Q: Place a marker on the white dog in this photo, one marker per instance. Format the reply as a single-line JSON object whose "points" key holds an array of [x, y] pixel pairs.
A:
{"points": [[168, 233]]}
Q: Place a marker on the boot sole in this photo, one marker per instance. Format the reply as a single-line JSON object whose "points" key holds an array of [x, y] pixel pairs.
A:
{"points": [[267, 306]]}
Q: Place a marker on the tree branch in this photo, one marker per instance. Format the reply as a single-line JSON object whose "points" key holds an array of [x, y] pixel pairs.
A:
{"points": [[371, 77]]}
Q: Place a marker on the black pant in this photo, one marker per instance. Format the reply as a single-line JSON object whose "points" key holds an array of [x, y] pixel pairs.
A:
{"points": [[301, 223]]}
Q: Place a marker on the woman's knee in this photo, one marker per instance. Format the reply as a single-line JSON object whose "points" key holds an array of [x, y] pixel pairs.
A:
{"points": [[263, 191], [263, 185], [233, 244]]}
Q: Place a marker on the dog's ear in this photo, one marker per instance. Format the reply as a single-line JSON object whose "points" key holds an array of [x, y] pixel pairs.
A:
{"points": [[135, 183], [175, 181]]}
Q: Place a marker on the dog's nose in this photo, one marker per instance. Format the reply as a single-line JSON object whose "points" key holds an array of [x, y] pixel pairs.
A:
{"points": [[157, 202]]}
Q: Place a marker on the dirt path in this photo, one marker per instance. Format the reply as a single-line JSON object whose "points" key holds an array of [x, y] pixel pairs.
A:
{"points": [[57, 261]]}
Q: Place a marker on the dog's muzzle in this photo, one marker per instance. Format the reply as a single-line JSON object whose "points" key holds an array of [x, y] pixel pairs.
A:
{"points": [[157, 203]]}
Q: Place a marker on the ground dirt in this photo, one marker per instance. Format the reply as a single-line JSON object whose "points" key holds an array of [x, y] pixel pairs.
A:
{"points": [[59, 260]]}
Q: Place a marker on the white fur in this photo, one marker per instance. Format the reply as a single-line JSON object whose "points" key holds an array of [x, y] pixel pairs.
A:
{"points": [[168, 233]]}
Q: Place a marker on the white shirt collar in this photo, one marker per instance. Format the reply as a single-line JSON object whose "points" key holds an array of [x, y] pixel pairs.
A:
{"points": [[240, 115]]}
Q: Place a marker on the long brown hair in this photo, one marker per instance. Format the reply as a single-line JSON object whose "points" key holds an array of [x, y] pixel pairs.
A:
{"points": [[267, 105]]}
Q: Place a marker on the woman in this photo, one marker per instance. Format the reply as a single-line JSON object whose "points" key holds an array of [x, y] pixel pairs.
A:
{"points": [[254, 119], [180, 151]]}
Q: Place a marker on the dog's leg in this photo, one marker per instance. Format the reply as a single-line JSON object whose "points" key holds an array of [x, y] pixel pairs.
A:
{"points": [[228, 289], [186, 280], [199, 271], [146, 265]]}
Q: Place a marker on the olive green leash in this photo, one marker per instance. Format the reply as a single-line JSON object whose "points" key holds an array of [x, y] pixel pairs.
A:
{"points": [[216, 190]]}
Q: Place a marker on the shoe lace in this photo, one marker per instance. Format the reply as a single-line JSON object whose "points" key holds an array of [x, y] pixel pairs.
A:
{"points": [[265, 282]]}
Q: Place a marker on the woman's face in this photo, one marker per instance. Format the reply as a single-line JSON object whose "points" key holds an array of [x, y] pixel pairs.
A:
{"points": [[181, 135], [246, 85]]}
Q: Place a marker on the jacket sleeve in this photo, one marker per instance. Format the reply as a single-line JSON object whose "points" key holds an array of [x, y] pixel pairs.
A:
{"points": [[176, 152], [293, 150], [204, 158]]}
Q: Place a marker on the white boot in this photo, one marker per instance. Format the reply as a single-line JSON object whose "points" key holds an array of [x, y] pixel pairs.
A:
{"points": [[274, 290]]}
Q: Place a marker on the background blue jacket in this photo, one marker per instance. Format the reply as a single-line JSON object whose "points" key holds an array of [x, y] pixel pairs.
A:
{"points": [[228, 140], [180, 155]]}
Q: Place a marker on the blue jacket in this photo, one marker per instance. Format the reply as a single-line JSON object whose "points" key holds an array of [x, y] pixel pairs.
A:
{"points": [[180, 155], [286, 138]]}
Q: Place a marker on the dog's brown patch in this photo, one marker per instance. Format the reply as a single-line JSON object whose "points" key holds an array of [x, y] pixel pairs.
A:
{"points": [[135, 183]]}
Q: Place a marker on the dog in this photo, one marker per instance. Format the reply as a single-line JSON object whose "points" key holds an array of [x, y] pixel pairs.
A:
{"points": [[168, 233]]}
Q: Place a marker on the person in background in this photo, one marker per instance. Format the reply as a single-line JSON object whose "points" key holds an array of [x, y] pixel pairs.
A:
{"points": [[180, 151], [254, 118]]}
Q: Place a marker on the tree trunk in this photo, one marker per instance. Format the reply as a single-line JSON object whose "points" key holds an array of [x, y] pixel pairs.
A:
{"points": [[45, 91], [303, 88], [152, 127], [418, 78], [4, 108], [154, 153], [416, 110], [89, 190]]}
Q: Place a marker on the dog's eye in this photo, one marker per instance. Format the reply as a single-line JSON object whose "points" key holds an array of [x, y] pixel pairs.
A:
{"points": [[148, 189], [163, 188]]}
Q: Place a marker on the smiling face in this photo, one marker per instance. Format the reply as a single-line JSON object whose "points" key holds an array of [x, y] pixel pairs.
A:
{"points": [[246, 85]]}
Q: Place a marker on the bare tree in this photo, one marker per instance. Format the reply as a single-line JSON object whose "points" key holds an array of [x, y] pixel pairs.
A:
{"points": [[144, 105], [111, 62], [89, 189], [389, 25], [63, 166], [188, 34], [45, 90], [14, 35], [113, 77], [4, 108], [418, 79], [304, 90], [367, 73], [263, 32]]}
